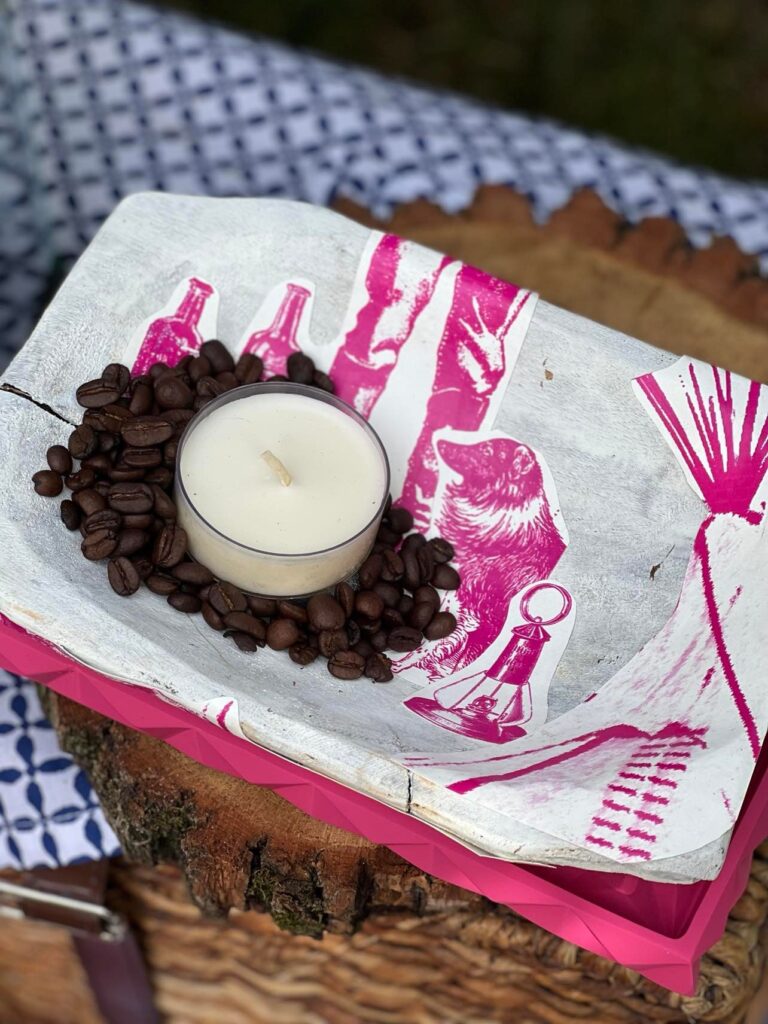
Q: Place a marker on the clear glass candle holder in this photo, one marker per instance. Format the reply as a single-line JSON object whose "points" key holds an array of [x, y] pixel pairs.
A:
{"points": [[274, 573]]}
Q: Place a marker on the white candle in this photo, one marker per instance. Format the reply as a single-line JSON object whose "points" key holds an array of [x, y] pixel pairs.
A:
{"points": [[278, 531]]}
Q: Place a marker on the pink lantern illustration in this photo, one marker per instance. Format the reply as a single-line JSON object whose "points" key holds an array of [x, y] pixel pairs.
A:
{"points": [[494, 705]]}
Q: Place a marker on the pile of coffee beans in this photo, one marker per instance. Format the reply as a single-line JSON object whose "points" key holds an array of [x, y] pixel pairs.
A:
{"points": [[121, 503]]}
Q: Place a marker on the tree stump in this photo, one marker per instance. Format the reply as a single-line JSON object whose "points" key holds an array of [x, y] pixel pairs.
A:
{"points": [[399, 946]]}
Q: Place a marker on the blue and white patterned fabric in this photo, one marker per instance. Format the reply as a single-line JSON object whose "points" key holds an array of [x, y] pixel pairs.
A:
{"points": [[49, 816], [101, 98]]}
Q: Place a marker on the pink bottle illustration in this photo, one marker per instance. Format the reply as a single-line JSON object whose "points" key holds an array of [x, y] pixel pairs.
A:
{"points": [[169, 338], [494, 705], [276, 342]]}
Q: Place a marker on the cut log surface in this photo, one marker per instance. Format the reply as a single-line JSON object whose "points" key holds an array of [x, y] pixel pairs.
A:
{"points": [[399, 947]]}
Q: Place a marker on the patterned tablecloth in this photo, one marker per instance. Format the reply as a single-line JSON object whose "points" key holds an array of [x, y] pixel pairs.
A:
{"points": [[101, 98]]}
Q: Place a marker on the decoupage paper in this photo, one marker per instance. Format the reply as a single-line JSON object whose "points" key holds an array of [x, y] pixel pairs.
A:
{"points": [[600, 700]]}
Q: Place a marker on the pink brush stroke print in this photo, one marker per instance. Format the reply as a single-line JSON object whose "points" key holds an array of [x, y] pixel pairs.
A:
{"points": [[384, 323], [471, 364]]}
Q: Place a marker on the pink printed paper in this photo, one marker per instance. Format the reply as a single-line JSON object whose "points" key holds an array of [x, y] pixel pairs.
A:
{"points": [[601, 704]]}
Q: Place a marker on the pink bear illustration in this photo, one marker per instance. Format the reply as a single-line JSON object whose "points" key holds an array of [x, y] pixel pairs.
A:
{"points": [[496, 510]]}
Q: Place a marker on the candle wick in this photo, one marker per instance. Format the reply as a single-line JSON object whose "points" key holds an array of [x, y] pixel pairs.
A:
{"points": [[277, 468]]}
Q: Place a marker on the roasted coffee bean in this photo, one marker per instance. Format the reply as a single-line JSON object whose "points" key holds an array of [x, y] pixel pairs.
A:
{"points": [[227, 380], [264, 606], [212, 617], [203, 592], [332, 640], [198, 367], [370, 627], [161, 584], [200, 402], [370, 571], [442, 550], [445, 577], [217, 355], [300, 368], [142, 458], [363, 647], [182, 602], [404, 638], [122, 474], [345, 595], [117, 376], [245, 642], [413, 541], [420, 615], [158, 370], [142, 399], [59, 459], [100, 463], [388, 593], [282, 634], [123, 577], [170, 450], [106, 442], [412, 571], [82, 442], [102, 487], [170, 546], [146, 431], [405, 604], [192, 572], [378, 640], [291, 610], [106, 519], [70, 514], [391, 617], [442, 624], [378, 667], [90, 501], [225, 597], [244, 622], [96, 393], [400, 520], [354, 632], [368, 604], [346, 665], [172, 393], [392, 566], [427, 595], [131, 541], [301, 653], [47, 483], [131, 498], [109, 419], [324, 612], [182, 367], [209, 387], [164, 506], [277, 378], [387, 537], [99, 544], [178, 418], [425, 562], [143, 567], [160, 475], [323, 381], [248, 368]]}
